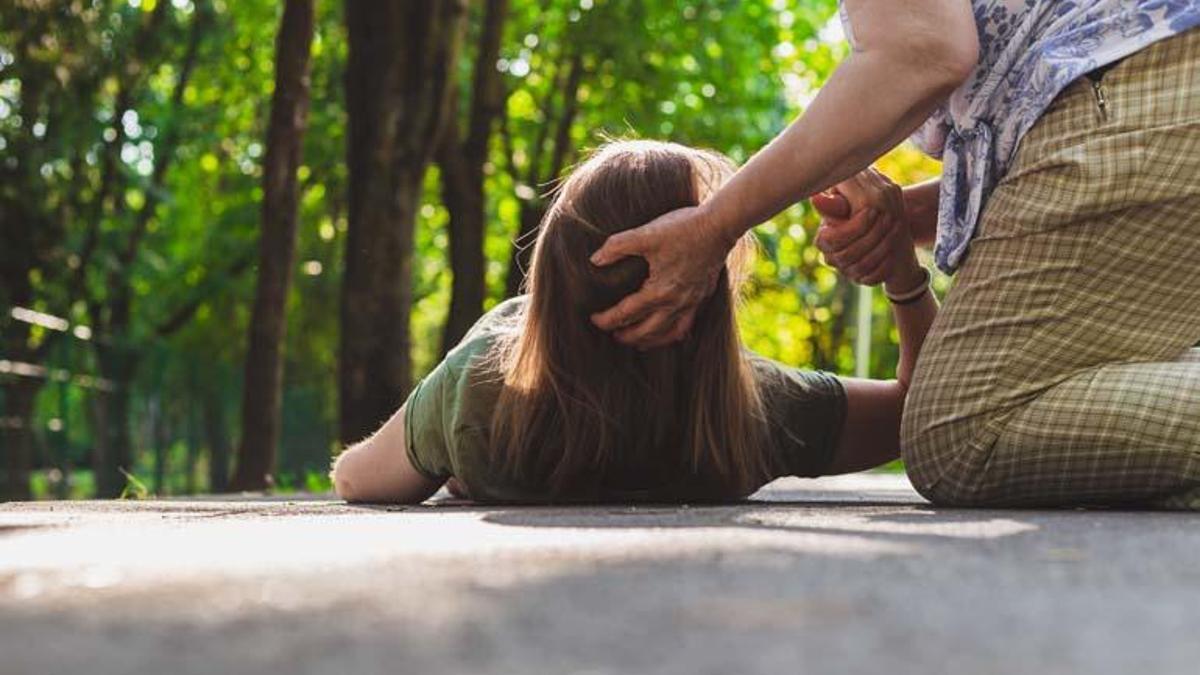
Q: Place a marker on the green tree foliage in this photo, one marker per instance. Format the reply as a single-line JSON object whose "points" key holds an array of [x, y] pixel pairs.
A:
{"points": [[131, 158]]}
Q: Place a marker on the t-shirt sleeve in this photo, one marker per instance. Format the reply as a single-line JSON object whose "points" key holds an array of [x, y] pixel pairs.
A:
{"points": [[805, 411], [448, 412], [425, 425]]}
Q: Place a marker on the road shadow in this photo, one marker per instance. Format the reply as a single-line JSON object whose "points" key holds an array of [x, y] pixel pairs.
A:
{"points": [[911, 524]]}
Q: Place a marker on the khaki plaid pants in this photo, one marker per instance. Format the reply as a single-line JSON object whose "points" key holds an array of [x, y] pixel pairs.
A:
{"points": [[1061, 370]]}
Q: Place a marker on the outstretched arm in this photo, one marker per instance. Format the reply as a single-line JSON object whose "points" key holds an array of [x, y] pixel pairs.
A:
{"points": [[378, 469], [908, 56], [865, 234], [871, 433]]}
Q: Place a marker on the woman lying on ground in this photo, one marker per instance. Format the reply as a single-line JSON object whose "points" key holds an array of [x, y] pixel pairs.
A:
{"points": [[538, 405]]}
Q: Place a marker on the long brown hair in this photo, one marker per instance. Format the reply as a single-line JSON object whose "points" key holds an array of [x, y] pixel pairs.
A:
{"points": [[581, 416]]}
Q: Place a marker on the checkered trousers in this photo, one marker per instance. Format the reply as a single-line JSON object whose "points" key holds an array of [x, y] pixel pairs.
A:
{"points": [[1061, 370]]}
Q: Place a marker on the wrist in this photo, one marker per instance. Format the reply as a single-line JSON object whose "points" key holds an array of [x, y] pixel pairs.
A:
{"points": [[907, 278], [719, 225]]}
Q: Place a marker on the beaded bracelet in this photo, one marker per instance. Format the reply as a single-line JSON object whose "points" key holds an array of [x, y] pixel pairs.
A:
{"points": [[911, 296]]}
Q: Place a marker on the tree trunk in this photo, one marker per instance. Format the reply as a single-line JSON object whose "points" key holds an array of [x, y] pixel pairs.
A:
{"points": [[16, 406], [117, 347], [98, 413], [401, 63], [19, 257], [462, 163], [114, 455], [533, 209], [217, 437], [158, 435], [193, 449], [16, 437], [532, 212], [277, 248], [462, 193]]}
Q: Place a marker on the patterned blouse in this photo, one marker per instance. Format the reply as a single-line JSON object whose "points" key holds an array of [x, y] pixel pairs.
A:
{"points": [[1029, 51]]}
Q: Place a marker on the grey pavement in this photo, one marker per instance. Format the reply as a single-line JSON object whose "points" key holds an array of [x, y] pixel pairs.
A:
{"points": [[841, 575]]}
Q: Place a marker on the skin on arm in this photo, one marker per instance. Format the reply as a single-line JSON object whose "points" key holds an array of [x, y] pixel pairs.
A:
{"points": [[920, 202], [873, 245], [921, 207], [909, 56], [876, 205], [871, 431], [378, 469], [870, 434]]}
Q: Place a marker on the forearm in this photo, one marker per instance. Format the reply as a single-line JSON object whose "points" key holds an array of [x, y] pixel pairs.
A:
{"points": [[874, 408], [912, 322], [921, 209], [876, 98]]}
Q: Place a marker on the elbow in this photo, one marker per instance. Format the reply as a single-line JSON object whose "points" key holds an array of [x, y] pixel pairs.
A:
{"points": [[932, 62], [345, 489], [341, 475], [931, 45], [961, 59], [947, 60]]}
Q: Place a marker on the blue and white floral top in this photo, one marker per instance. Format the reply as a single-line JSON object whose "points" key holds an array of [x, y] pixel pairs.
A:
{"points": [[1030, 50]]}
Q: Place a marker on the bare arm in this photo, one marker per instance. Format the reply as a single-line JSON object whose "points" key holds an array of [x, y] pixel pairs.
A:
{"points": [[921, 204], [871, 432], [909, 56], [866, 235], [378, 469]]}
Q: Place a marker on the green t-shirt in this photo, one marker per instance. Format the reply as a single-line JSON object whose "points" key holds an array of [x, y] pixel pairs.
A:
{"points": [[449, 413]]}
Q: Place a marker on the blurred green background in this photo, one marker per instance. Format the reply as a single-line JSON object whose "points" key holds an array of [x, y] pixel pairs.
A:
{"points": [[136, 146]]}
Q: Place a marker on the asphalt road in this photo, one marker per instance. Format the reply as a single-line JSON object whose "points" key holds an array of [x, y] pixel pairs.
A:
{"points": [[852, 575]]}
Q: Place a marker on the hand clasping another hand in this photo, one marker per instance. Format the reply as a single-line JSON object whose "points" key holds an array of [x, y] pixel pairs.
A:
{"points": [[864, 232]]}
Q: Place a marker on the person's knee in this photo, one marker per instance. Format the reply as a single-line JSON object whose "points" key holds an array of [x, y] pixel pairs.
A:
{"points": [[916, 449], [937, 459]]}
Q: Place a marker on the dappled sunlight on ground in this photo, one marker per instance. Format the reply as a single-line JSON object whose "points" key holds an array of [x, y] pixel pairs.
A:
{"points": [[857, 571]]}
